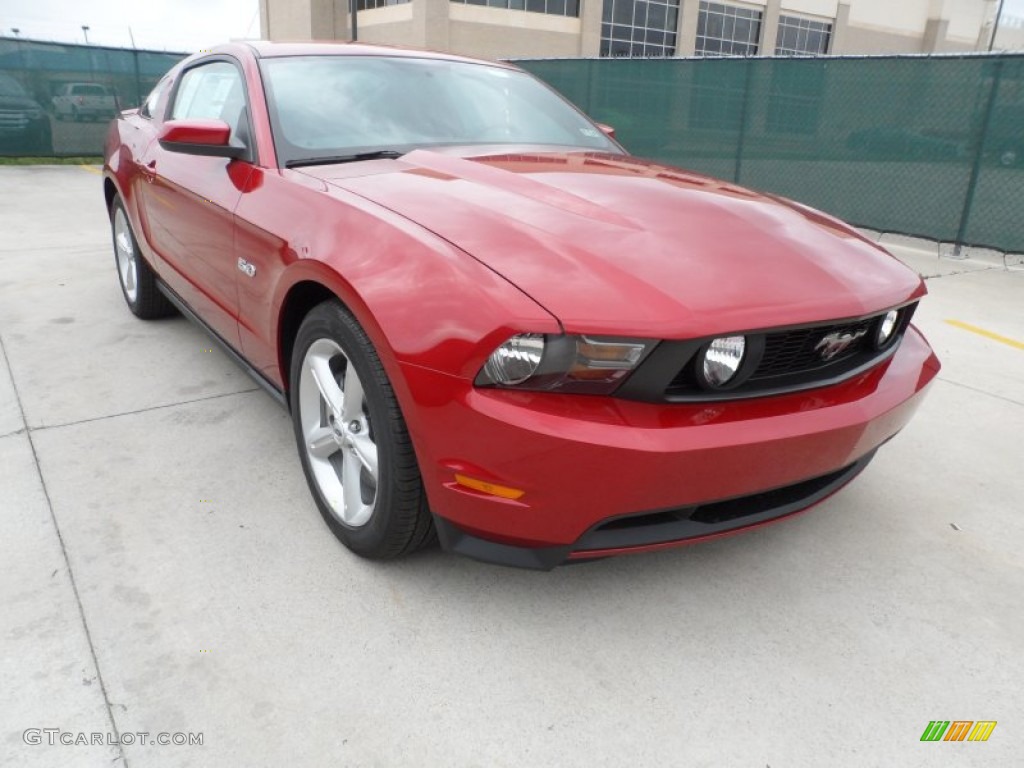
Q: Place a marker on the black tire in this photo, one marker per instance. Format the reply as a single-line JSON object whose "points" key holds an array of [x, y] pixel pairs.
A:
{"points": [[401, 521], [148, 303]]}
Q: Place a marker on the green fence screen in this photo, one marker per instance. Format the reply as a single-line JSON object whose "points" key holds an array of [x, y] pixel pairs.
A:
{"points": [[929, 146], [56, 100]]}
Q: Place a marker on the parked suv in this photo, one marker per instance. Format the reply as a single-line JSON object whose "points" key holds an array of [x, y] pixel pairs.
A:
{"points": [[80, 101], [24, 127]]}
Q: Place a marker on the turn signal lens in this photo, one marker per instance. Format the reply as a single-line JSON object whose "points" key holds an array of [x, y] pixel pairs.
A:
{"points": [[516, 360], [722, 359], [491, 489], [576, 364], [595, 355]]}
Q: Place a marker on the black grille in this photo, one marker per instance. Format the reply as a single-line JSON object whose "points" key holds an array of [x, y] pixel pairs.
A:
{"points": [[777, 361], [799, 350], [716, 517]]}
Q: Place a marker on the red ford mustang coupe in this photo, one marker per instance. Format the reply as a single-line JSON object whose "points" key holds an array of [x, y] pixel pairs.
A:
{"points": [[489, 321]]}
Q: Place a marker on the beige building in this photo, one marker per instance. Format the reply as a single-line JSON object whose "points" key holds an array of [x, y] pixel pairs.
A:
{"points": [[557, 28]]}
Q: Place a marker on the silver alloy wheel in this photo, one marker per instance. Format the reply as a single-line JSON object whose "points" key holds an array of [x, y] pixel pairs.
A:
{"points": [[125, 250], [337, 433]]}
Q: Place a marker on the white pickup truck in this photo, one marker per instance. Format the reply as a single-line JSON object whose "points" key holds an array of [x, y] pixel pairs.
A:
{"points": [[80, 101]]}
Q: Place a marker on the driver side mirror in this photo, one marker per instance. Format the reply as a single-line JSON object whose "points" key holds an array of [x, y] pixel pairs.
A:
{"points": [[607, 130], [208, 138]]}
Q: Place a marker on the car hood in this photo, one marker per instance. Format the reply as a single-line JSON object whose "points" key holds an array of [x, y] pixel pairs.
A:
{"points": [[612, 244]]}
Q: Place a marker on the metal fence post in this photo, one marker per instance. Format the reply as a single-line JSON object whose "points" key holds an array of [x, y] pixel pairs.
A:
{"points": [[979, 151], [588, 108], [138, 78], [741, 139]]}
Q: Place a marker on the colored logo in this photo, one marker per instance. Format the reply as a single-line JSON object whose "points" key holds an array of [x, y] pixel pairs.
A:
{"points": [[958, 730]]}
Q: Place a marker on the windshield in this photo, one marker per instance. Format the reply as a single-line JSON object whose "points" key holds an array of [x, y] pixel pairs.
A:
{"points": [[342, 105]]}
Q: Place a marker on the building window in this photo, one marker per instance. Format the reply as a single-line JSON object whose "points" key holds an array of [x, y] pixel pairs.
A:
{"points": [[727, 30], [799, 36], [552, 7], [365, 5], [639, 28]]}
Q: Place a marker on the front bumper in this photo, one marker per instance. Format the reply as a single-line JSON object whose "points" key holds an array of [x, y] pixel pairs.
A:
{"points": [[605, 476], [655, 530]]}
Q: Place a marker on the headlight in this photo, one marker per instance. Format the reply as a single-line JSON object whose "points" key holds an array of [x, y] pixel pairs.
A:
{"points": [[721, 360], [579, 364], [886, 328], [516, 360], [33, 114]]}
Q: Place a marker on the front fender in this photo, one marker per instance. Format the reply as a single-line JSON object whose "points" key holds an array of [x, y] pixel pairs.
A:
{"points": [[421, 300]]}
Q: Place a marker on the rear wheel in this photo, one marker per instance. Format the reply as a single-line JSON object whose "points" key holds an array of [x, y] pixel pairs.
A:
{"points": [[353, 442], [138, 281]]}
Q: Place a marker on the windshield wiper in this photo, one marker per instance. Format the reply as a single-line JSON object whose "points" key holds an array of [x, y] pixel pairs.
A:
{"points": [[377, 154]]}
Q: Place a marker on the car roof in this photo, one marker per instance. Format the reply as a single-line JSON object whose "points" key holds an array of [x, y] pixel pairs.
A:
{"points": [[265, 49]]}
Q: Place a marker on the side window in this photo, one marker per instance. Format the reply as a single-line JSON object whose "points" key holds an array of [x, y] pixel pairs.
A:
{"points": [[148, 108], [213, 91]]}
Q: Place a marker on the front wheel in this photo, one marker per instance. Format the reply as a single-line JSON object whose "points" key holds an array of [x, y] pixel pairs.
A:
{"points": [[352, 439]]}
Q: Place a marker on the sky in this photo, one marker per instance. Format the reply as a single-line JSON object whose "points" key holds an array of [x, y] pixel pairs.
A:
{"points": [[173, 25], [1010, 8]]}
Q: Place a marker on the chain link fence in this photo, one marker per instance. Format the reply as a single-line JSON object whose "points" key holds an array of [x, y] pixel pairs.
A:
{"points": [[56, 100], [929, 146]]}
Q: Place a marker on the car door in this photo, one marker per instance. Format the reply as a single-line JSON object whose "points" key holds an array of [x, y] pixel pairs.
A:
{"points": [[189, 199]]}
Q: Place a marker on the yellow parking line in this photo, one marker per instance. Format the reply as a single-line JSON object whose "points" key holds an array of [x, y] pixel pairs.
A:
{"points": [[987, 334], [91, 169]]}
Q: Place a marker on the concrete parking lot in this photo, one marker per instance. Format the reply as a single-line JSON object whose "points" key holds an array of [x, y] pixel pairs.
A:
{"points": [[164, 570]]}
